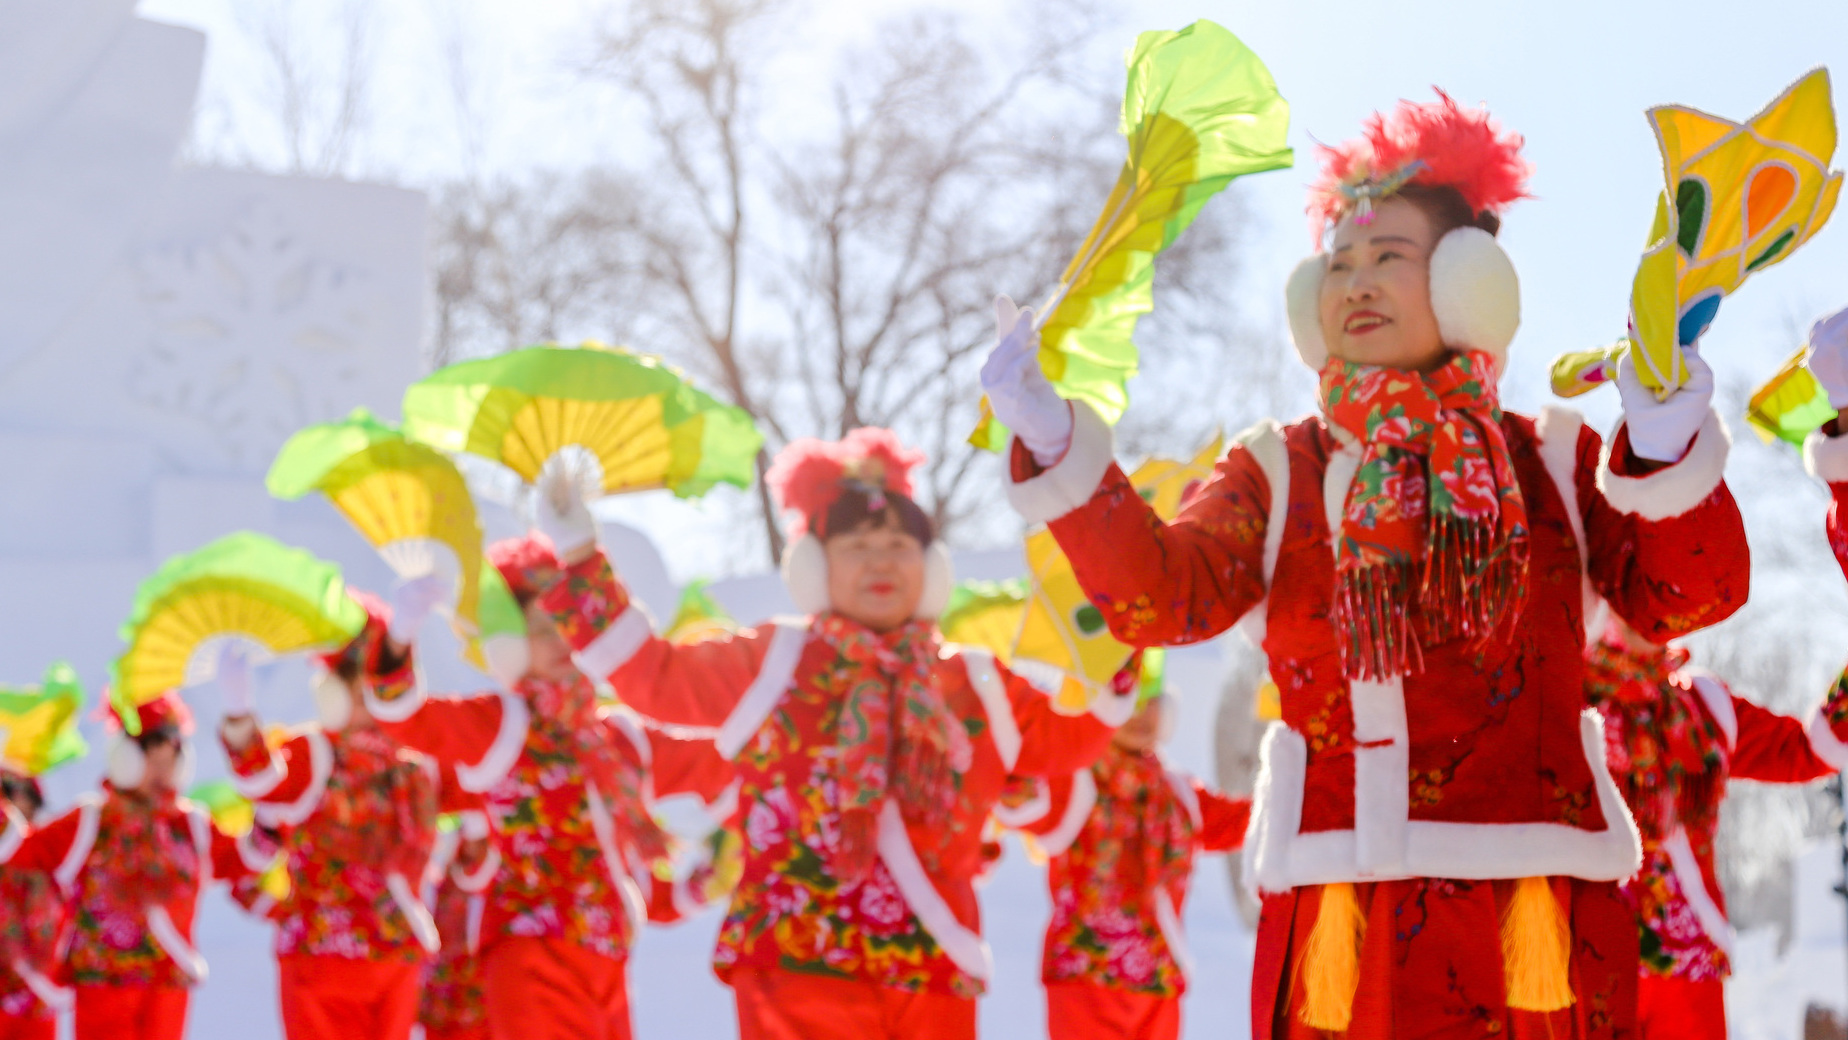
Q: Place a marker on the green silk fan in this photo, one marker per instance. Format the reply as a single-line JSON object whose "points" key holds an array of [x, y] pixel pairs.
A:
{"points": [[647, 426], [244, 586], [1199, 111], [38, 724]]}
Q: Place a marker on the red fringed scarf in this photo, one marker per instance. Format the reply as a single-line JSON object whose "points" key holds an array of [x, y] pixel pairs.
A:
{"points": [[897, 736], [1665, 753], [1434, 515]]}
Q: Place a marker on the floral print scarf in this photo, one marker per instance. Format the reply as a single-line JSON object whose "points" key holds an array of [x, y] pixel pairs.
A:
{"points": [[897, 736], [1666, 754], [1138, 813], [1433, 517]]}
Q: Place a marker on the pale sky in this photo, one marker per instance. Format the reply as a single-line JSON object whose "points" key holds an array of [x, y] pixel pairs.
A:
{"points": [[1574, 78]]}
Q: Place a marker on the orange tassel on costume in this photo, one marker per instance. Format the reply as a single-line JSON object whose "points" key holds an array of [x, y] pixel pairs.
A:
{"points": [[1536, 948], [1330, 970]]}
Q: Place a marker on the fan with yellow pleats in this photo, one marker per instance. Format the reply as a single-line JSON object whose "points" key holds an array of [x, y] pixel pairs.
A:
{"points": [[643, 422], [245, 587], [405, 498], [38, 724], [986, 614]]}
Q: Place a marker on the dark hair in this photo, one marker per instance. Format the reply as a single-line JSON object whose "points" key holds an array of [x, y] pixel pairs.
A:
{"points": [[1445, 208], [155, 736], [22, 791], [854, 510]]}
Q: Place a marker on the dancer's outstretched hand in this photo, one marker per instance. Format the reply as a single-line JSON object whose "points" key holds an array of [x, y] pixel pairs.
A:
{"points": [[1828, 356], [1661, 431], [231, 677], [412, 603], [1017, 389], [559, 511]]}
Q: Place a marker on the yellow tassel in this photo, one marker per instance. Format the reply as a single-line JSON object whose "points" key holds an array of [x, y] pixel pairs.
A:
{"points": [[1330, 972], [1536, 948]]}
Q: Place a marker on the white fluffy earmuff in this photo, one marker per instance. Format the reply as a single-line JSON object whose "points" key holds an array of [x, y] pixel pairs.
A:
{"points": [[333, 704], [125, 765], [1475, 294], [805, 575], [508, 657]]}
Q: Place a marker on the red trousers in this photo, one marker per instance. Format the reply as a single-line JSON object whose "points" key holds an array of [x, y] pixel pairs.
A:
{"points": [[1680, 1009], [131, 1013], [1081, 1011], [787, 1005], [28, 1027], [549, 989], [343, 998]]}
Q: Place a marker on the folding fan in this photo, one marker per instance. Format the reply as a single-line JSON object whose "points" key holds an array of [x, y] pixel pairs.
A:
{"points": [[985, 614], [1790, 404], [38, 724], [405, 498], [645, 424], [1199, 110], [698, 616], [232, 812], [244, 586]]}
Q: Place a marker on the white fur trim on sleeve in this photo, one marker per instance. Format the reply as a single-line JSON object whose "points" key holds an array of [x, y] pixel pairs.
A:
{"points": [[962, 945], [167, 936], [89, 815], [399, 708], [1277, 811], [416, 914], [473, 881], [1670, 492], [478, 776], [1077, 813], [320, 768], [1111, 708], [261, 782], [1264, 440], [1168, 919], [626, 720], [14, 835], [1825, 743], [765, 691], [1002, 726], [1072, 480], [616, 644], [1826, 457], [1718, 699], [1018, 817]]}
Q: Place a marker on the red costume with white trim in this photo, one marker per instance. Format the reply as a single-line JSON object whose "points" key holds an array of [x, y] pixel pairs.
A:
{"points": [[130, 867], [1120, 838], [1676, 736], [30, 920], [1436, 764]]}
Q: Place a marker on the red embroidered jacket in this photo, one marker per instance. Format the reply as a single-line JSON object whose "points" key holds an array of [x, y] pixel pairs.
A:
{"points": [[559, 793], [1484, 764], [113, 853], [903, 926], [1681, 910], [30, 920], [356, 813], [1112, 925]]}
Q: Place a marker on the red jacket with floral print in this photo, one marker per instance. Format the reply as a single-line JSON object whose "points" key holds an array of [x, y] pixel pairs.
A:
{"points": [[31, 918], [1112, 924], [1676, 737], [130, 869], [356, 813], [905, 925], [570, 807], [1484, 764]]}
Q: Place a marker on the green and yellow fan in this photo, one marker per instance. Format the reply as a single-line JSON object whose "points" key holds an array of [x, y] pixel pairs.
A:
{"points": [[405, 498], [38, 724], [1062, 629], [1199, 110], [502, 638], [232, 812], [699, 616], [244, 586], [985, 614], [1790, 404], [645, 424]]}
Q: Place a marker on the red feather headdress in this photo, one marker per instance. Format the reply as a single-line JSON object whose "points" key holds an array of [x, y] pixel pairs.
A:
{"points": [[809, 475], [1436, 144]]}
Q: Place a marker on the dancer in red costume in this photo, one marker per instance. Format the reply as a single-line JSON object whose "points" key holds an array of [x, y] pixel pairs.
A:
{"points": [[869, 754], [570, 814], [30, 919], [1677, 735], [453, 1005], [1121, 838], [131, 863], [1436, 835], [356, 814]]}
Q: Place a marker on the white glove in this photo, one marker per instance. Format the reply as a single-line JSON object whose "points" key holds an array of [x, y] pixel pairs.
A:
{"points": [[1828, 356], [412, 603], [232, 678], [559, 511], [1661, 431], [1017, 389]]}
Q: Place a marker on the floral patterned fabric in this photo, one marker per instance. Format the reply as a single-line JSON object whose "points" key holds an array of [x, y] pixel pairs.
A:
{"points": [[1434, 514], [790, 911], [453, 1001], [30, 919], [1139, 838]]}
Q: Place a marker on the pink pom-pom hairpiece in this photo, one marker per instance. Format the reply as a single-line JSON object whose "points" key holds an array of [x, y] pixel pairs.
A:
{"points": [[809, 475], [1437, 144]]}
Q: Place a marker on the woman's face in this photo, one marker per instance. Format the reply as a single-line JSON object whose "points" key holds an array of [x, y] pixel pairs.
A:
{"points": [[1376, 297], [550, 654], [875, 575], [163, 758]]}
